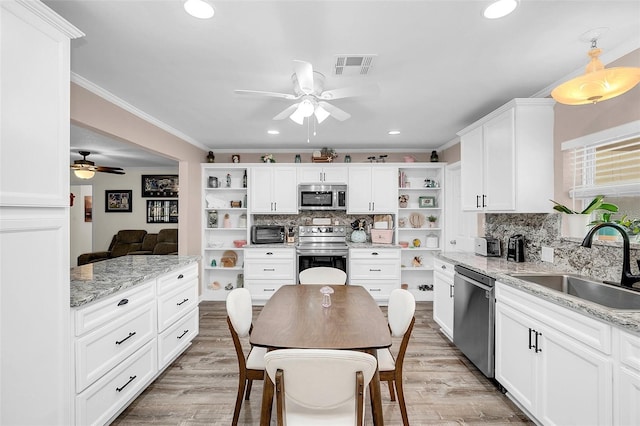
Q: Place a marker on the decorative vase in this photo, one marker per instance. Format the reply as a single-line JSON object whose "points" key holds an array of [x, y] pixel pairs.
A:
{"points": [[576, 225], [359, 236]]}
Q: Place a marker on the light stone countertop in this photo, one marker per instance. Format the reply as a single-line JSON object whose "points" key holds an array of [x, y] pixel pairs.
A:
{"points": [[101, 279], [499, 268]]}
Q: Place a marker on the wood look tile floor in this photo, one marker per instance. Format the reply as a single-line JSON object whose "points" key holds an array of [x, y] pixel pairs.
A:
{"points": [[441, 386]]}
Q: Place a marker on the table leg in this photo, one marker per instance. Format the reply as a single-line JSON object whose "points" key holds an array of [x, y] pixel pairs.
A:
{"points": [[267, 401], [375, 396]]}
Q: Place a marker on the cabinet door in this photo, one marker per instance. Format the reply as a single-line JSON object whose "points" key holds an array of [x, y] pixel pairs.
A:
{"points": [[471, 153], [443, 302], [260, 190], [335, 175], [284, 190], [628, 395], [499, 162], [575, 382], [384, 184], [515, 362], [360, 190]]}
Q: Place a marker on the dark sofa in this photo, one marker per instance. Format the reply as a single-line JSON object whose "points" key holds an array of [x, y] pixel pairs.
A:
{"points": [[135, 241]]}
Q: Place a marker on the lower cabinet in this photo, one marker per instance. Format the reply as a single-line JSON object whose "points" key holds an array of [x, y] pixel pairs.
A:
{"points": [[267, 269], [626, 393], [124, 341], [554, 362], [443, 273], [376, 269]]}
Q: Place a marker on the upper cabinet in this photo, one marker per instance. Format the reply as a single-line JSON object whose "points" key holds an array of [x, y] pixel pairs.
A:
{"points": [[273, 190], [372, 189], [507, 159], [324, 174]]}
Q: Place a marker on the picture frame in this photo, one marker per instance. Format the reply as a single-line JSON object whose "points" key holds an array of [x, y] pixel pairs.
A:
{"points": [[235, 158], [426, 202], [162, 211], [118, 201], [160, 186]]}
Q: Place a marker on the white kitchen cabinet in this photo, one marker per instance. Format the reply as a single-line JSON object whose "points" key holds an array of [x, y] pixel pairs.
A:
{"points": [[376, 269], [507, 159], [553, 361], [626, 393], [372, 189], [443, 288], [273, 190], [323, 174], [267, 269], [217, 238]]}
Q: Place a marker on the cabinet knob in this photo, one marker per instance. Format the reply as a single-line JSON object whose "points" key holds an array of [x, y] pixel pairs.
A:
{"points": [[180, 276], [453, 242]]}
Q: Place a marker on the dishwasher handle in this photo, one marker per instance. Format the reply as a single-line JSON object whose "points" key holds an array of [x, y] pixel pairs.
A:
{"points": [[475, 283]]}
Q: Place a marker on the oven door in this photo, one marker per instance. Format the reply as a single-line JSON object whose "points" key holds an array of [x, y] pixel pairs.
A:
{"points": [[316, 200], [330, 258]]}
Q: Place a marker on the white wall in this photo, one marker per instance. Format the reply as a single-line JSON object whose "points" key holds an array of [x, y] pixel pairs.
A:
{"points": [[80, 232], [105, 225]]}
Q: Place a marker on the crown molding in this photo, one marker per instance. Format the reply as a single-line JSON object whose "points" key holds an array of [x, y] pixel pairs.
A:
{"points": [[52, 18]]}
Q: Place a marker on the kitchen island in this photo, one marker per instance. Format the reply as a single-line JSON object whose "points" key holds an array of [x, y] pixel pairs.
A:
{"points": [[131, 317]]}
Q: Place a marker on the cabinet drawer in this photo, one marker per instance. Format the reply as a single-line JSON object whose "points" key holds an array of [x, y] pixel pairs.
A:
{"points": [[177, 337], [262, 290], [629, 349], [276, 269], [378, 290], [100, 402], [384, 269], [269, 253], [104, 348], [176, 303], [376, 253], [443, 267], [177, 277], [105, 311]]}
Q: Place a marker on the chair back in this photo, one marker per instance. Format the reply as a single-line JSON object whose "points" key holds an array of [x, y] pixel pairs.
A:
{"points": [[401, 309], [240, 311], [320, 383], [323, 275]]}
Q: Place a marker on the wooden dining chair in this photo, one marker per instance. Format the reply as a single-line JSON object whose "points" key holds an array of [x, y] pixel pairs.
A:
{"points": [[239, 319], [400, 314], [320, 386], [323, 275]]}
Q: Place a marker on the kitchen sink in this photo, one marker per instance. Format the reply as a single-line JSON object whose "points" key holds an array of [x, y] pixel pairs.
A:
{"points": [[598, 292]]}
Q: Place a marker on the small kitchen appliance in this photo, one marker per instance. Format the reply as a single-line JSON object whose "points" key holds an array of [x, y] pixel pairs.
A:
{"points": [[515, 248], [487, 246], [322, 197], [267, 234]]}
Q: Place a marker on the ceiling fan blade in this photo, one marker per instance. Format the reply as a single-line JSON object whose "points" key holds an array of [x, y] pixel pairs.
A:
{"points": [[304, 75], [110, 170], [350, 92], [270, 94], [335, 112], [287, 112]]}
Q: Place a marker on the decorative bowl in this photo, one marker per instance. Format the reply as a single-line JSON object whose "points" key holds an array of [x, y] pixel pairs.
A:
{"points": [[239, 243]]}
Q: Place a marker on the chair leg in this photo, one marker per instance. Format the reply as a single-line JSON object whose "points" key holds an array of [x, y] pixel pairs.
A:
{"points": [[392, 394], [403, 406], [248, 391], [236, 410]]}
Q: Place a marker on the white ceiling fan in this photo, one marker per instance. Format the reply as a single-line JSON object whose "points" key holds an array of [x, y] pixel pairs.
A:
{"points": [[308, 88]]}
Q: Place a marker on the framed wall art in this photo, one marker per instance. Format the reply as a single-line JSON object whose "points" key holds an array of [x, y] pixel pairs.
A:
{"points": [[160, 186], [426, 201], [117, 201], [162, 211], [235, 158]]}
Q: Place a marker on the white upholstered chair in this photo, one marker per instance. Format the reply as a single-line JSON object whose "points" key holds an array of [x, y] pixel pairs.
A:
{"points": [[320, 386], [239, 319], [323, 275], [400, 313]]}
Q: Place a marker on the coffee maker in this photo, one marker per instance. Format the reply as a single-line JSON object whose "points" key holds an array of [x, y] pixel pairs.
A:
{"points": [[515, 248]]}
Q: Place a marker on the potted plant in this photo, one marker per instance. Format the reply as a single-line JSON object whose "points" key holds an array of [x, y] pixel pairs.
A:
{"points": [[631, 226], [432, 221], [578, 221]]}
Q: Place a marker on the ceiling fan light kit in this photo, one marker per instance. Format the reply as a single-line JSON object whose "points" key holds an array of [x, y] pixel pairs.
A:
{"points": [[84, 173], [85, 169], [199, 9], [500, 8], [597, 84]]}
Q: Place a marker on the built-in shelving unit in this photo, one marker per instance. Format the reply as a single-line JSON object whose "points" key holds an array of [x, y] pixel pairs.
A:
{"points": [[422, 184]]}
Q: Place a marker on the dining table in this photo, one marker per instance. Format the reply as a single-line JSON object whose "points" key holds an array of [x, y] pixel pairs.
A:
{"points": [[295, 318]]}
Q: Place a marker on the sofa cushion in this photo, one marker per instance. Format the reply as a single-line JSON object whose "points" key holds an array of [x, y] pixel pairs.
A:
{"points": [[167, 242], [149, 242], [127, 240]]}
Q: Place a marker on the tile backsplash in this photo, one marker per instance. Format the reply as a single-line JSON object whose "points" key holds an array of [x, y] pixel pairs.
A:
{"points": [[603, 261]]}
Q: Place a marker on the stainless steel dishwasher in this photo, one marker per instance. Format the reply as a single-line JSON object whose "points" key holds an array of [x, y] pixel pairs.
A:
{"points": [[473, 318]]}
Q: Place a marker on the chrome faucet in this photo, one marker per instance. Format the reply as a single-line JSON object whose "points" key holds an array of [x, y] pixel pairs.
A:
{"points": [[628, 278]]}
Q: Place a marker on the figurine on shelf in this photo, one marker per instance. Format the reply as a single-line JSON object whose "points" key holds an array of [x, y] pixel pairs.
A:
{"points": [[434, 156], [210, 157], [417, 261], [228, 180]]}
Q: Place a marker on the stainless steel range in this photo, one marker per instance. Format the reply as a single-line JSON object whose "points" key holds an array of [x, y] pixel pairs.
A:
{"points": [[322, 245]]}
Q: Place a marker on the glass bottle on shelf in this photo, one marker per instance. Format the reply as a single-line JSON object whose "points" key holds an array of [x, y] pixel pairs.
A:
{"points": [[212, 221], [244, 179]]}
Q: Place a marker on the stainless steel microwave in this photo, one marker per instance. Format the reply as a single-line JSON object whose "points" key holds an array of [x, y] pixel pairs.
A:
{"points": [[322, 197], [267, 234]]}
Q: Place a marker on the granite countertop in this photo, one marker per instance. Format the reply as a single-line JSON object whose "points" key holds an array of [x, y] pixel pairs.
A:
{"points": [[500, 269], [101, 279]]}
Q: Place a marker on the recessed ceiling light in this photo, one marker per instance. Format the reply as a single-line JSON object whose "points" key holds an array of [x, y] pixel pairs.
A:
{"points": [[273, 132], [500, 8], [394, 132], [199, 9]]}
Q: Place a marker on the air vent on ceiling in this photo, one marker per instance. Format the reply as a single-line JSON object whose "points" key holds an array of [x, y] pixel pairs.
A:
{"points": [[353, 64]]}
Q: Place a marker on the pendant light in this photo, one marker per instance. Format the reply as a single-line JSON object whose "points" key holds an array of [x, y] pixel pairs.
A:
{"points": [[598, 83]]}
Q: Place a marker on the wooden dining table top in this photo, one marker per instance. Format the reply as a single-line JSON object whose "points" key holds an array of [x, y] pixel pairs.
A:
{"points": [[295, 318]]}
